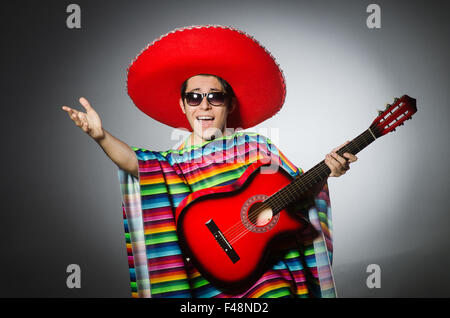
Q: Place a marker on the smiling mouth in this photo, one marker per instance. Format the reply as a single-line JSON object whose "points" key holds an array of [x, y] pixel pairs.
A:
{"points": [[205, 121], [205, 118]]}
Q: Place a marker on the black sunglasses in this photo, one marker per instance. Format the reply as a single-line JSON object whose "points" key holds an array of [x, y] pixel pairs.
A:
{"points": [[214, 98]]}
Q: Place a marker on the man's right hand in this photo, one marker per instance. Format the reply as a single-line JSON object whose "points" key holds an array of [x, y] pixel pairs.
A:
{"points": [[118, 151], [89, 121]]}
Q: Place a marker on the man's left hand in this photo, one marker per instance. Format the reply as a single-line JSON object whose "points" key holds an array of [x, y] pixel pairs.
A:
{"points": [[339, 165]]}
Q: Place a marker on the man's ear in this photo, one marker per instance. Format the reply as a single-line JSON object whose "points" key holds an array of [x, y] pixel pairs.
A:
{"points": [[182, 106]]}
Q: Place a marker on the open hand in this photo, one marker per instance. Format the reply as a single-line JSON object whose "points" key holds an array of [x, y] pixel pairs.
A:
{"points": [[89, 121], [339, 165]]}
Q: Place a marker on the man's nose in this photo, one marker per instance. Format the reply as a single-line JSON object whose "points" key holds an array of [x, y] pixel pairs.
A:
{"points": [[205, 104]]}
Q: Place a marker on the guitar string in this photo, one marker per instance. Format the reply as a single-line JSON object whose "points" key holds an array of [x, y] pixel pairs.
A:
{"points": [[235, 231], [244, 230], [321, 169], [276, 202], [362, 136], [279, 200]]}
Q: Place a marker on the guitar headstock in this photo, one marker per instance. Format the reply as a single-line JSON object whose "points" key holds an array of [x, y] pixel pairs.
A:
{"points": [[394, 115]]}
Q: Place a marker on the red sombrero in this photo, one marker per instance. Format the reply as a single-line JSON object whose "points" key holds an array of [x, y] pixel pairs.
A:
{"points": [[155, 76]]}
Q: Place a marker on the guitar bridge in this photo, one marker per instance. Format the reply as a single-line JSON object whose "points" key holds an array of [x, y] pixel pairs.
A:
{"points": [[223, 242]]}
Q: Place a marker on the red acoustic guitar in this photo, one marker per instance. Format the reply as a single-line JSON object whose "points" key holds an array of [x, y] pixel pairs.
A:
{"points": [[229, 231]]}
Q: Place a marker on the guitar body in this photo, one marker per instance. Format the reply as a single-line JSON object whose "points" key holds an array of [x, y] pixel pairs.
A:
{"points": [[226, 209]]}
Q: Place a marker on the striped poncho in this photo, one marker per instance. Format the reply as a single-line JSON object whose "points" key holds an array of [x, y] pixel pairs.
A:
{"points": [[157, 266]]}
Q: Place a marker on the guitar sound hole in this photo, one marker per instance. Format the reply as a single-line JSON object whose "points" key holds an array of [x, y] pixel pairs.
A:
{"points": [[260, 214]]}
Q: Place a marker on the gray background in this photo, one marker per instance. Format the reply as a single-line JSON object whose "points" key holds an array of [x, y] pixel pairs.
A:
{"points": [[61, 200]]}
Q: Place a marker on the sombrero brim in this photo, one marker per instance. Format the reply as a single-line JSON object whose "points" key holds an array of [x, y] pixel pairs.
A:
{"points": [[155, 76]]}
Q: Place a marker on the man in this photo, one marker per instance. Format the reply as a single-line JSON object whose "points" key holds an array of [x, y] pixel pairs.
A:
{"points": [[154, 183]]}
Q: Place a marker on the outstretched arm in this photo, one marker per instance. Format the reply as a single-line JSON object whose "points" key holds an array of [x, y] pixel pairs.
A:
{"points": [[118, 151]]}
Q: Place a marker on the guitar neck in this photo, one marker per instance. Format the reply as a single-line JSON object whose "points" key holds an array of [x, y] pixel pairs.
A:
{"points": [[317, 174]]}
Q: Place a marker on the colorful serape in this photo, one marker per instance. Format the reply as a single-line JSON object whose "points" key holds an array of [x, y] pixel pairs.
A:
{"points": [[157, 267]]}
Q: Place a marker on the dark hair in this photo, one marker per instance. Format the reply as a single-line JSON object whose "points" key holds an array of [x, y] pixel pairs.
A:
{"points": [[226, 87]]}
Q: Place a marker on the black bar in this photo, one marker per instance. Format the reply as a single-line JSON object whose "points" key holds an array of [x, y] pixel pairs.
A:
{"points": [[220, 238]]}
